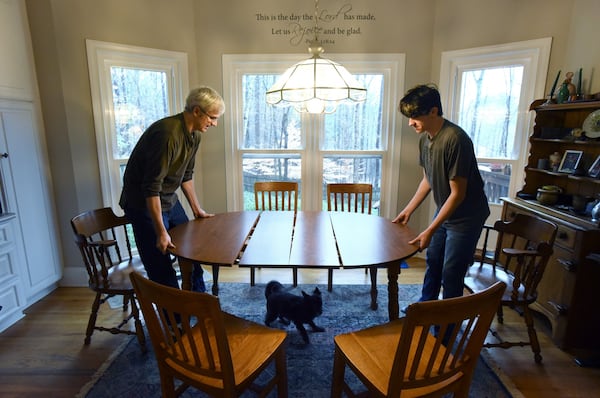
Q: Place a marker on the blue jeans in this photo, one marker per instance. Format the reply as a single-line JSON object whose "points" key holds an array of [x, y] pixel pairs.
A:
{"points": [[448, 256], [159, 266]]}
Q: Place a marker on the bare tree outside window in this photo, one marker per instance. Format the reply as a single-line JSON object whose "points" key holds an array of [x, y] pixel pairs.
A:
{"points": [[274, 142], [489, 108], [139, 98]]}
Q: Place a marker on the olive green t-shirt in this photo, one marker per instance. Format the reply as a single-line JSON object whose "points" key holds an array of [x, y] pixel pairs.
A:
{"points": [[448, 155], [160, 162]]}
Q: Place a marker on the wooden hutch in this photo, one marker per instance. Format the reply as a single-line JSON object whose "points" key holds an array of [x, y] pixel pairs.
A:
{"points": [[567, 294]]}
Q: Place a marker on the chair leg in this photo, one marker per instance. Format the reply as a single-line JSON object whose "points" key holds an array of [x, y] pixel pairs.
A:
{"points": [[139, 330], [500, 314], [295, 276], [92, 321], [330, 279], [339, 367], [125, 303], [463, 389], [252, 276], [533, 340], [167, 384], [281, 370]]}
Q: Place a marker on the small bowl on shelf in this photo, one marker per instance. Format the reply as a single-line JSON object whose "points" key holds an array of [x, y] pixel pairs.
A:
{"points": [[548, 194]]}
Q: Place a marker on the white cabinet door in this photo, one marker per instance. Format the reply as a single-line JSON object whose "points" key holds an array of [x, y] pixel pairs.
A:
{"points": [[12, 293], [27, 194]]}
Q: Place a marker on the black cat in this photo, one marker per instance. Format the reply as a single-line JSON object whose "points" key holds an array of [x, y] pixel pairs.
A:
{"points": [[289, 307]]}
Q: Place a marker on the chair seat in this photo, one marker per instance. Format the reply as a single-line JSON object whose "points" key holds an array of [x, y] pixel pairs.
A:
{"points": [[480, 277], [372, 352], [118, 277], [243, 337]]}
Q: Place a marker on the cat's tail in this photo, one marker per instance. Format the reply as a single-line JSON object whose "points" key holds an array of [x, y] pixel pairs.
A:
{"points": [[272, 287]]}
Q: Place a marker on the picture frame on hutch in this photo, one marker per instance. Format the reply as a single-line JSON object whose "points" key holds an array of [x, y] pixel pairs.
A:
{"points": [[594, 170], [570, 161]]}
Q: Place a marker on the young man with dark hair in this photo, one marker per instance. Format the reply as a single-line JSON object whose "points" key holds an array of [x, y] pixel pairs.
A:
{"points": [[451, 173]]}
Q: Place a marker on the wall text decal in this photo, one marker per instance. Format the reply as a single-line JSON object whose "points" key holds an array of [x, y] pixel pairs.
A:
{"points": [[299, 28]]}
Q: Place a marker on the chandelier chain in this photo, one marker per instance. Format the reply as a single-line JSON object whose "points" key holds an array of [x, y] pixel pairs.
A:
{"points": [[316, 18]]}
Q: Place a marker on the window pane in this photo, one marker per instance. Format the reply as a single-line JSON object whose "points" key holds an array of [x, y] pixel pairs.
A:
{"points": [[489, 108], [353, 169], [268, 168], [140, 97], [356, 127], [266, 126], [496, 179]]}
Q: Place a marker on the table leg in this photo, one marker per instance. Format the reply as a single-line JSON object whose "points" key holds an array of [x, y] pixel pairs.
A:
{"points": [[186, 267], [215, 284], [393, 307], [373, 274]]}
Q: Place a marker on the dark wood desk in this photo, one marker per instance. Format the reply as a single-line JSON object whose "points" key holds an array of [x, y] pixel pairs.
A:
{"points": [[302, 240]]}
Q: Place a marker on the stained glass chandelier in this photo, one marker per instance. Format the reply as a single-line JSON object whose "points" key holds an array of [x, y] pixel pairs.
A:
{"points": [[316, 85]]}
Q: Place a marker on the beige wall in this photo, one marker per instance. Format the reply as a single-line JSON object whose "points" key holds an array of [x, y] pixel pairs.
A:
{"points": [[421, 29]]}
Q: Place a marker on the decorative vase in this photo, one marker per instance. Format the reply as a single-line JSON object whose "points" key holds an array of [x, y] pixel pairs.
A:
{"points": [[563, 93]]}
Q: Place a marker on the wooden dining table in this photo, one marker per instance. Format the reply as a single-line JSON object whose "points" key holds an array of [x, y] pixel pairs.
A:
{"points": [[303, 239]]}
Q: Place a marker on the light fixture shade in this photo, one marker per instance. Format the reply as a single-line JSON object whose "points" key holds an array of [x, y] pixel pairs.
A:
{"points": [[316, 85]]}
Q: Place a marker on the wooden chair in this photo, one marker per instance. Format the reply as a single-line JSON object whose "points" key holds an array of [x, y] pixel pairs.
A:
{"points": [[404, 358], [351, 197], [484, 253], [106, 251], [528, 241], [275, 195], [201, 346]]}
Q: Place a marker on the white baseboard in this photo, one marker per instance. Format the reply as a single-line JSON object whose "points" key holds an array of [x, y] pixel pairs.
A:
{"points": [[10, 320]]}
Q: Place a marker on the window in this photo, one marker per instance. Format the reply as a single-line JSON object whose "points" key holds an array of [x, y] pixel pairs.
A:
{"points": [[354, 144], [487, 91], [131, 88]]}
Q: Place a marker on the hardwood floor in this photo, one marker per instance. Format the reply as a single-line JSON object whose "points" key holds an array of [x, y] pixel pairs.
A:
{"points": [[43, 354]]}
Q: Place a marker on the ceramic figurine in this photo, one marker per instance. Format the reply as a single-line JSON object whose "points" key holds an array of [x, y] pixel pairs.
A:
{"points": [[567, 90], [555, 159]]}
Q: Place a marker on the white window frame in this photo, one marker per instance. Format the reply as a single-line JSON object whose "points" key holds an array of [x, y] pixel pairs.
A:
{"points": [[101, 57], [534, 55], [390, 65]]}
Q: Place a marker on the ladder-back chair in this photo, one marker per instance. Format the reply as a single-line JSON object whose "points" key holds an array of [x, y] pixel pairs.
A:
{"points": [[431, 352], [198, 344], [103, 241], [523, 248]]}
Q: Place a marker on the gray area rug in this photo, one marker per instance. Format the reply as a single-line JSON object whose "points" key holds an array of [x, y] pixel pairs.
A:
{"points": [[129, 373]]}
